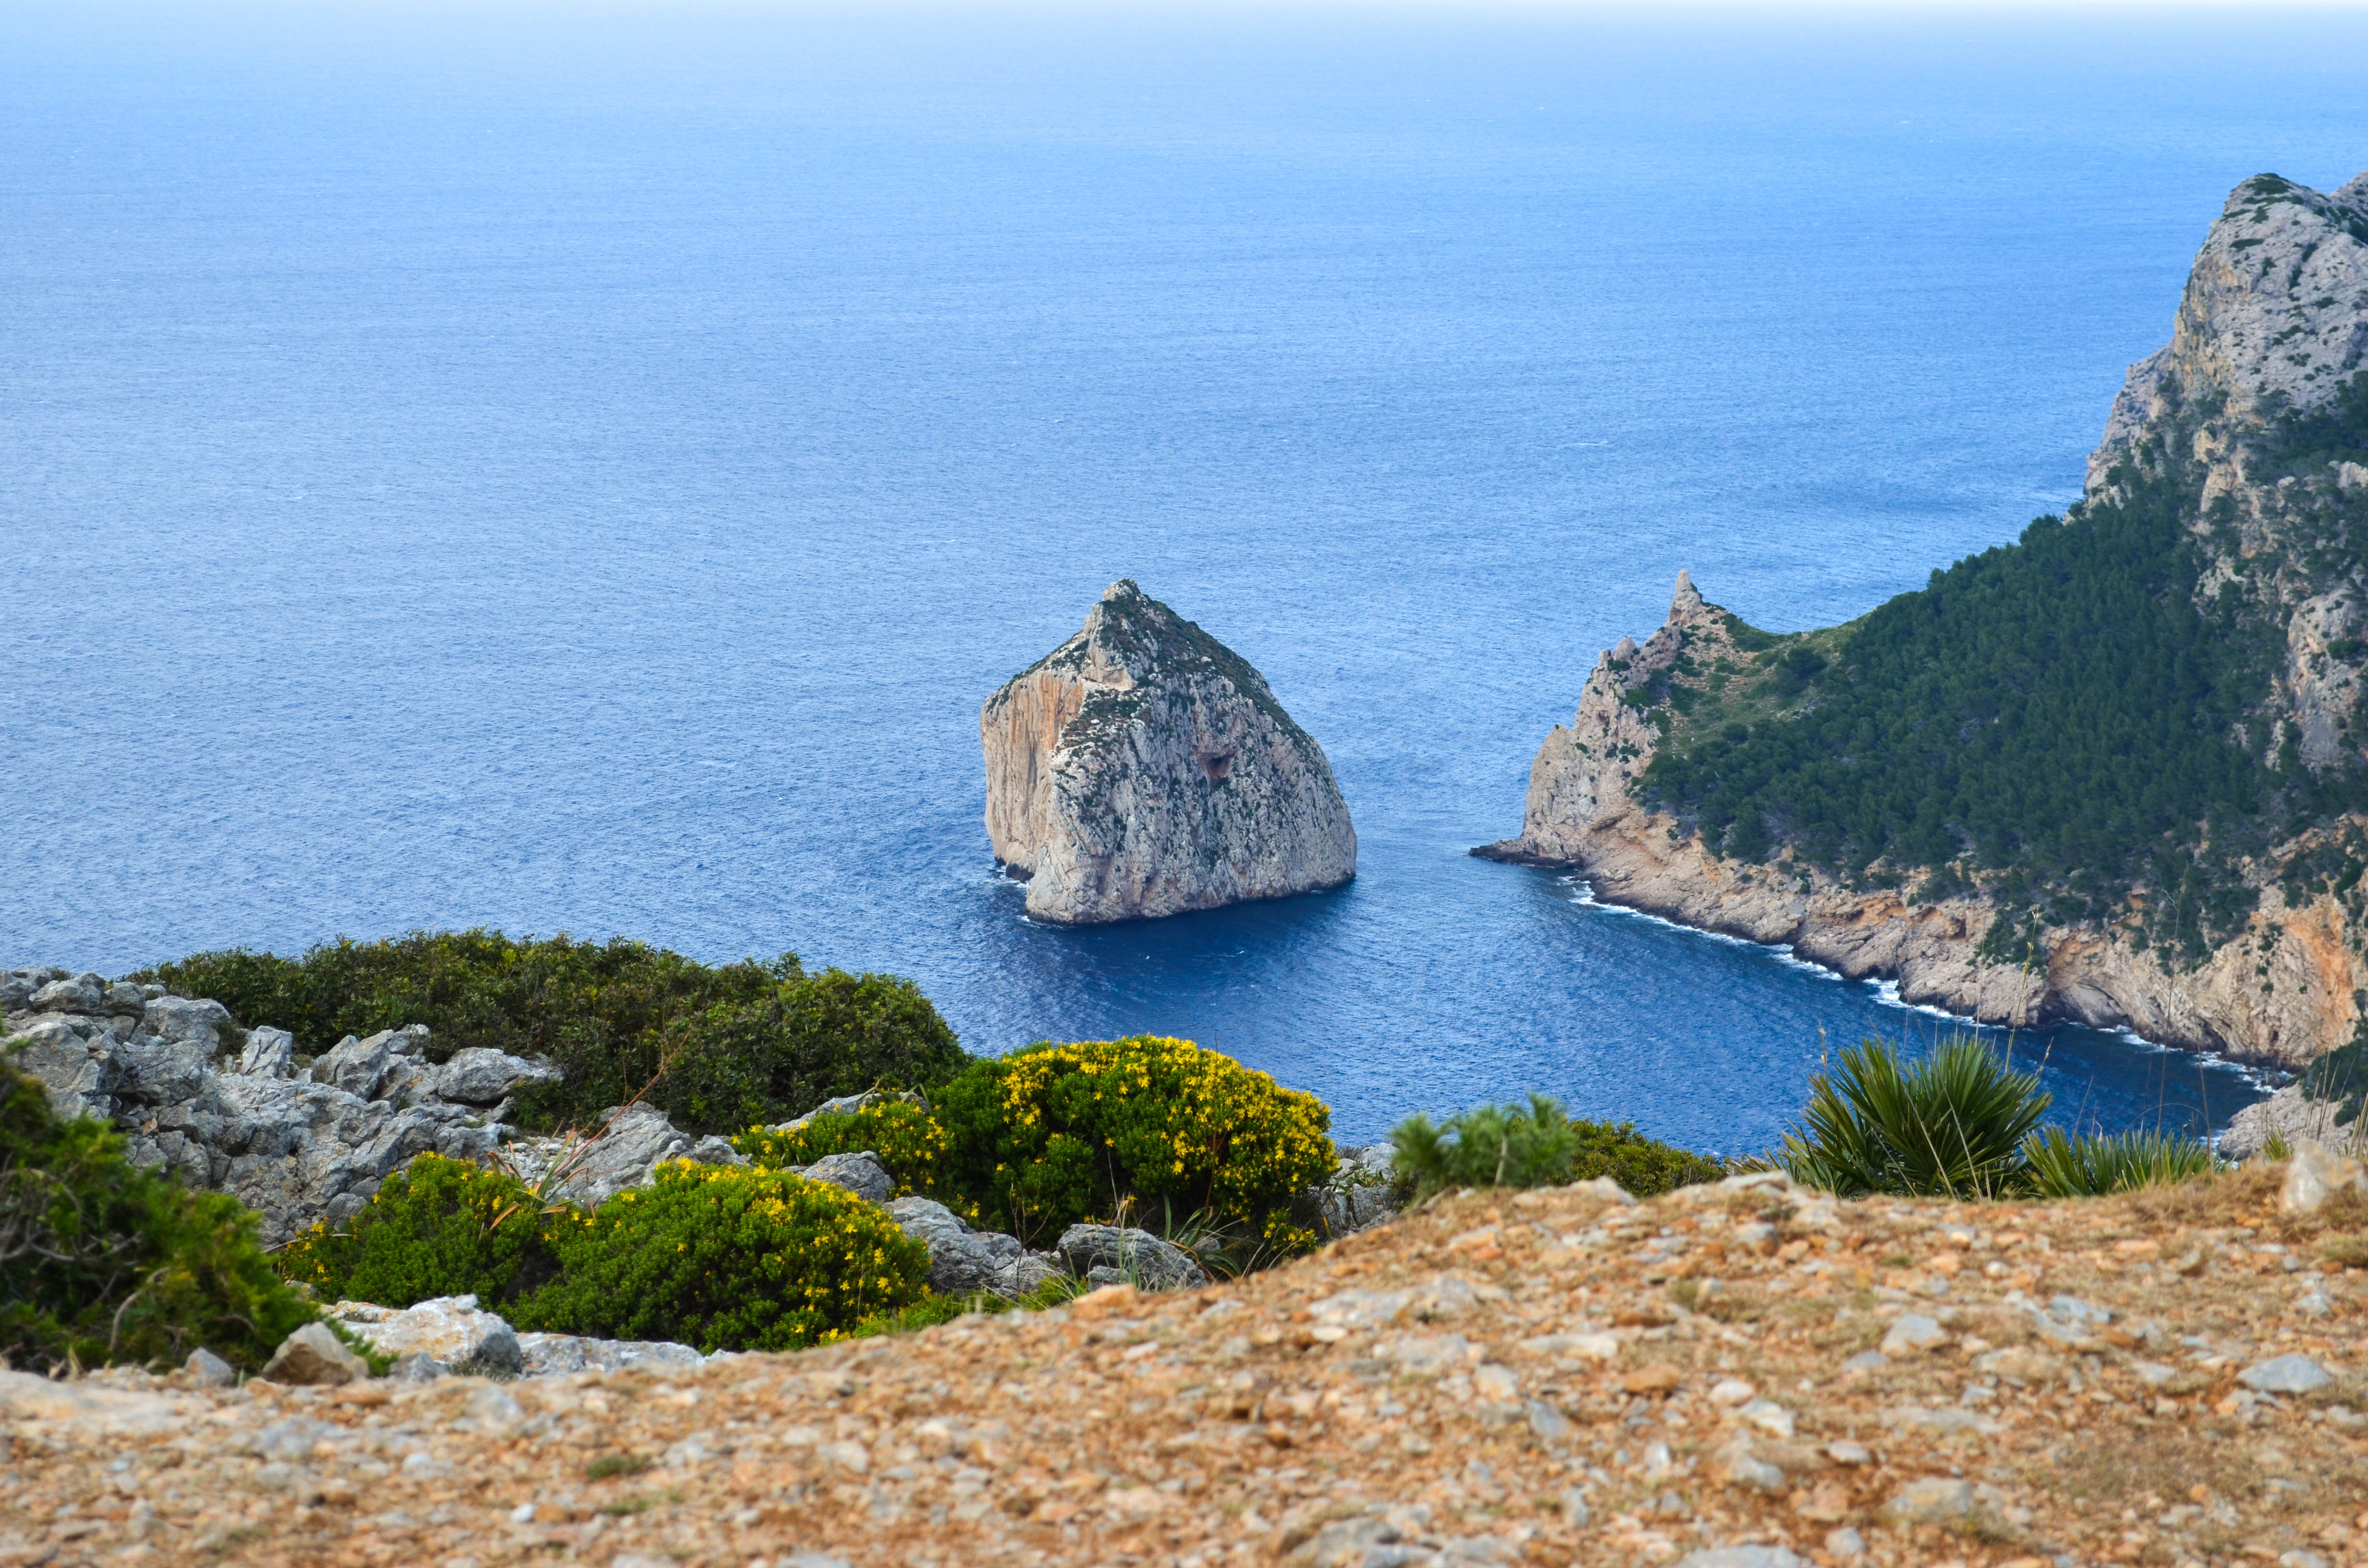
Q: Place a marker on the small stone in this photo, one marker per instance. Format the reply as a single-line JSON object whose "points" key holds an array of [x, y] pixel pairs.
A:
{"points": [[1768, 1416], [1738, 1466], [1744, 1557], [2314, 1303], [206, 1370], [1935, 1500], [1732, 1390], [1493, 1382], [1550, 1425], [1912, 1331], [1867, 1361], [1847, 1452], [1659, 1377], [1575, 1511], [523, 1514], [2301, 1557], [2285, 1374], [314, 1357], [1845, 1544], [1604, 1188]]}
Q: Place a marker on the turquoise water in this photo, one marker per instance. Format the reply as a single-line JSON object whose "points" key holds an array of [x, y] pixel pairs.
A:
{"points": [[585, 472]]}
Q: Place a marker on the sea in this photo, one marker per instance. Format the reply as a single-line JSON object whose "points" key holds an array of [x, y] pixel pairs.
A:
{"points": [[580, 469]]}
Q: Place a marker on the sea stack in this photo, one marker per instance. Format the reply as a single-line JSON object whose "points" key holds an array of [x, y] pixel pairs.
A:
{"points": [[1143, 768]]}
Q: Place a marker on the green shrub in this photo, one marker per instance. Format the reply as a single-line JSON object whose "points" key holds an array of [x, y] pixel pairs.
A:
{"points": [[726, 1258], [1536, 1146], [1951, 1124], [811, 1039], [1053, 1134], [598, 1011], [438, 1227], [101, 1261], [908, 1140], [739, 1043], [1644, 1166], [2060, 1166]]}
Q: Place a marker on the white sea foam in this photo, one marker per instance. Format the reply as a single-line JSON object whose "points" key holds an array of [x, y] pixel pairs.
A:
{"points": [[1886, 992]]}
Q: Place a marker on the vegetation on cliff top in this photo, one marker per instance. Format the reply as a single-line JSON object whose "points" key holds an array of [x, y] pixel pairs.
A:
{"points": [[715, 1047], [2082, 716]]}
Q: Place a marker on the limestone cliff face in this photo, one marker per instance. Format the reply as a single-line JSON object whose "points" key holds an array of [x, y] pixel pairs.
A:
{"points": [[1143, 768], [2273, 319], [2273, 316]]}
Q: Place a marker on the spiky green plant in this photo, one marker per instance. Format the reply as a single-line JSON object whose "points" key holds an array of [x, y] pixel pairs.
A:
{"points": [[1951, 1124], [2061, 1166]]}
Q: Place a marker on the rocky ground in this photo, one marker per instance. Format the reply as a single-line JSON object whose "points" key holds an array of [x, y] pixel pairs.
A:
{"points": [[1738, 1375]]}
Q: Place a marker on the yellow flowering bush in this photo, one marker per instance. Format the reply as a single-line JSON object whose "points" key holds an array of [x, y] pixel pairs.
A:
{"points": [[726, 1257], [1055, 1133], [438, 1227], [910, 1142]]}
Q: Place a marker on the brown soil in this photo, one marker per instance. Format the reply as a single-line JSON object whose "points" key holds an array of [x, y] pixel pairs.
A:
{"points": [[1560, 1384]]}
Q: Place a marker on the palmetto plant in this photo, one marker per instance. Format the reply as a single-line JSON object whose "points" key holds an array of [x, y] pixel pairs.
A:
{"points": [[1951, 1124], [2061, 1166]]}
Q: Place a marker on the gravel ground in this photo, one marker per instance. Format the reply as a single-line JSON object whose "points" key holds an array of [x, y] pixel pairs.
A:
{"points": [[1551, 1377]]}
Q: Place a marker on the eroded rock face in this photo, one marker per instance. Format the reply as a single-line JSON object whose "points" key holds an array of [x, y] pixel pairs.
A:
{"points": [[1143, 768], [2273, 311], [232, 1113]]}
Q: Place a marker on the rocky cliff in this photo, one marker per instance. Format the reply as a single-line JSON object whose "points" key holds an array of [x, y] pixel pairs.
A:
{"points": [[1143, 768], [230, 1109], [2233, 422]]}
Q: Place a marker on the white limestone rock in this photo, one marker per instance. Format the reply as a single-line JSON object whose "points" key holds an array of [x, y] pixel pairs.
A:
{"points": [[1143, 768], [452, 1331], [2272, 316], [225, 1110]]}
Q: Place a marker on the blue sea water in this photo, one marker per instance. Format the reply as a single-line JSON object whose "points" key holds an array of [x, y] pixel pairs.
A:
{"points": [[581, 469]]}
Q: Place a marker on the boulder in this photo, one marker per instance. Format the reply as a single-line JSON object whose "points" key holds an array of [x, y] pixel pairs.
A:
{"points": [[377, 1067], [2314, 1176], [314, 1357], [205, 1370], [185, 1020], [633, 1141], [82, 993], [449, 1330], [553, 1355], [847, 1104], [964, 1262], [479, 1076], [1107, 1255], [1361, 1192], [860, 1174], [1143, 768], [268, 1053]]}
